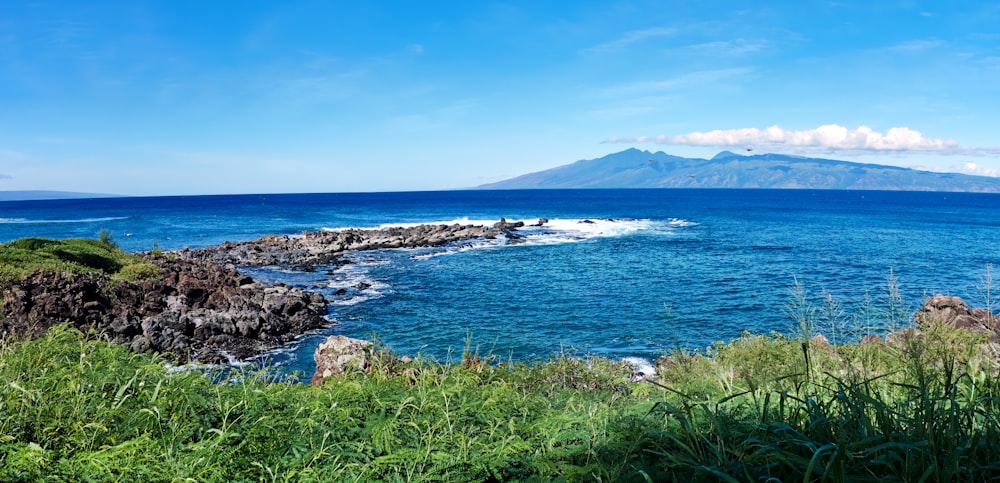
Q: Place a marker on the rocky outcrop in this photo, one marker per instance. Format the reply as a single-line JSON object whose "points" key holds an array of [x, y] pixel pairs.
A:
{"points": [[338, 354], [325, 247], [953, 310], [198, 311], [202, 309]]}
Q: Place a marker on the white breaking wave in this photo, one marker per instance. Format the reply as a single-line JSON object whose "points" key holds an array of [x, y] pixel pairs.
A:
{"points": [[356, 282], [642, 368], [551, 232], [582, 229], [677, 222], [80, 220], [428, 253]]}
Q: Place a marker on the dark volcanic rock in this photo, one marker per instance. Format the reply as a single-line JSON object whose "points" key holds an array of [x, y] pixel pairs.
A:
{"points": [[325, 247], [197, 311]]}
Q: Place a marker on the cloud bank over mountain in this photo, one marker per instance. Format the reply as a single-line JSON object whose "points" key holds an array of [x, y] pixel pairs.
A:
{"points": [[829, 138], [633, 168]]}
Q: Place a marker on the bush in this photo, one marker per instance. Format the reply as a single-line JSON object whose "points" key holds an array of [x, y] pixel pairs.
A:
{"points": [[75, 255], [137, 272]]}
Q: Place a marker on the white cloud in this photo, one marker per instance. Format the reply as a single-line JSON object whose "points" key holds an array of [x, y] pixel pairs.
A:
{"points": [[735, 47], [696, 78], [631, 37], [916, 46], [12, 155], [976, 169], [830, 138]]}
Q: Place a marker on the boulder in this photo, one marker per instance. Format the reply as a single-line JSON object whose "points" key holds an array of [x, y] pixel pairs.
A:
{"points": [[941, 308], [338, 354], [949, 309], [872, 339]]}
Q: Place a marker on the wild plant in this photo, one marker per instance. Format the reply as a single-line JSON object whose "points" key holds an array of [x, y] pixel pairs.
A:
{"points": [[107, 238], [895, 313], [985, 288], [832, 321], [923, 410], [803, 313]]}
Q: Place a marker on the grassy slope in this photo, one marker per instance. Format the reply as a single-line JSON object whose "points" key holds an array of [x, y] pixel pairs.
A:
{"points": [[76, 408]]}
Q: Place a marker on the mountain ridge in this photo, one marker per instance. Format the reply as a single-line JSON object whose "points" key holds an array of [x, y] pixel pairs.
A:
{"points": [[635, 168]]}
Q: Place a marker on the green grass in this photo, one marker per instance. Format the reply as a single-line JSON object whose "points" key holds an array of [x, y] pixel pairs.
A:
{"points": [[73, 407], [76, 255], [76, 408]]}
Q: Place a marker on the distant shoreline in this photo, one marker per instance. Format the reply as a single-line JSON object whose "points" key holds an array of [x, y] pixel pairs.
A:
{"points": [[39, 195]]}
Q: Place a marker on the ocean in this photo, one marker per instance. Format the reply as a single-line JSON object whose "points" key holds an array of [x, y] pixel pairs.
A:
{"points": [[614, 273]]}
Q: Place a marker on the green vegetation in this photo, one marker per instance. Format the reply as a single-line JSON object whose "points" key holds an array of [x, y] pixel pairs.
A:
{"points": [[76, 255], [921, 408], [74, 408]]}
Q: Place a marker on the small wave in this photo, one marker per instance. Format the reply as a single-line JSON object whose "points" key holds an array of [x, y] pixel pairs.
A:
{"points": [[79, 220], [352, 284], [640, 367], [681, 223], [771, 248], [427, 254]]}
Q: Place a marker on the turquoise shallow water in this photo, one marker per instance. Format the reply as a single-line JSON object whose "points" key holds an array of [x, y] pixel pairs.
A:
{"points": [[722, 261]]}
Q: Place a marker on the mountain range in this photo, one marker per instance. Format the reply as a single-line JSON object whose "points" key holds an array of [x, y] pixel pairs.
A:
{"points": [[634, 168]]}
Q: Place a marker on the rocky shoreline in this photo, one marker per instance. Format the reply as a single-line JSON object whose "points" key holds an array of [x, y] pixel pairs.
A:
{"points": [[202, 309], [325, 247]]}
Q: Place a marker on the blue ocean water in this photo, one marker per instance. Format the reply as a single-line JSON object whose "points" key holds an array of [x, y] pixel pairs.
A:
{"points": [[616, 273]]}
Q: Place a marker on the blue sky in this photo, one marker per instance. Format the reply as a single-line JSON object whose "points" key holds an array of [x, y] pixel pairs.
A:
{"points": [[191, 97]]}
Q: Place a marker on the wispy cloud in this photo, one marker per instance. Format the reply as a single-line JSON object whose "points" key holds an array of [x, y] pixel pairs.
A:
{"points": [[619, 112], [691, 79], [830, 138], [5, 176], [9, 155], [915, 46], [733, 47], [64, 33], [631, 37]]}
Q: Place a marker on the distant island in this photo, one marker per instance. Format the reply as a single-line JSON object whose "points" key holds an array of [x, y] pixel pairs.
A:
{"points": [[634, 168], [21, 195]]}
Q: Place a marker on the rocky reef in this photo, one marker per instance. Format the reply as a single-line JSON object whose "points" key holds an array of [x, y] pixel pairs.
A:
{"points": [[197, 311], [325, 247]]}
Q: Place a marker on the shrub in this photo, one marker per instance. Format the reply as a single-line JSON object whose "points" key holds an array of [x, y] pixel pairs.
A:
{"points": [[137, 272], [75, 255]]}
